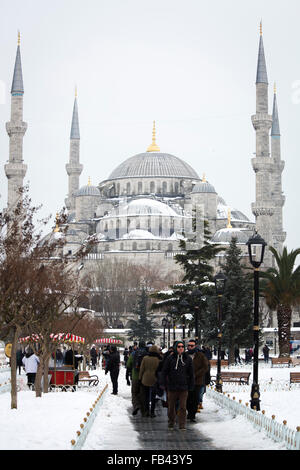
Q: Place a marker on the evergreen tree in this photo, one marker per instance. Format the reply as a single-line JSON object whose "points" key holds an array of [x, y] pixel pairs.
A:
{"points": [[142, 329], [196, 261], [237, 304]]}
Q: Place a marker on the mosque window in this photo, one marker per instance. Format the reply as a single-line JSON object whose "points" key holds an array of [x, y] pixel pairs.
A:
{"points": [[106, 228], [176, 188], [152, 187], [170, 247], [122, 246], [148, 246], [164, 187], [134, 246], [140, 187], [118, 189], [106, 247], [128, 188]]}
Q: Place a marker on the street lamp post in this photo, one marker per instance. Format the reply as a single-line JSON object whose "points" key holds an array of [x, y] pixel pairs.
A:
{"points": [[164, 324], [169, 319], [196, 296], [256, 248], [184, 306], [173, 315], [220, 280]]}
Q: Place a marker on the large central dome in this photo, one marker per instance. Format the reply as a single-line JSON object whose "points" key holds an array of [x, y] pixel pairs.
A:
{"points": [[153, 164]]}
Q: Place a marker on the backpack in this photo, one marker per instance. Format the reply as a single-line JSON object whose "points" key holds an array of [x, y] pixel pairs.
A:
{"points": [[138, 357]]}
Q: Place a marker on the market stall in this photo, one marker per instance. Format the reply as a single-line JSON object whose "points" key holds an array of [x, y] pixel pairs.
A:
{"points": [[66, 374]]}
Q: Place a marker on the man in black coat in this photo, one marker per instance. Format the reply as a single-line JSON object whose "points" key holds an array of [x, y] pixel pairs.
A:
{"points": [[178, 377], [113, 366]]}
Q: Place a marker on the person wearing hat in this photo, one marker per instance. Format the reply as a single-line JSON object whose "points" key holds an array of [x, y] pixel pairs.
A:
{"points": [[178, 377], [148, 378]]}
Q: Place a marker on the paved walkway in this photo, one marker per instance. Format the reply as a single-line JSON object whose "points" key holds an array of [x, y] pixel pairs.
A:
{"points": [[154, 434]]}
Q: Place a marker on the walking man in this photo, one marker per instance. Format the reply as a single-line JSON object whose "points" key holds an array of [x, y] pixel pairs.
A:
{"points": [[113, 366], [178, 377], [200, 366]]}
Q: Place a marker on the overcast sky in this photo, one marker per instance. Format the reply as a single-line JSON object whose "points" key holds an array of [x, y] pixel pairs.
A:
{"points": [[189, 65]]}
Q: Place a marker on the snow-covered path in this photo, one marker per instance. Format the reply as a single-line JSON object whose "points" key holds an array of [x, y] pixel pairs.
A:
{"points": [[51, 422]]}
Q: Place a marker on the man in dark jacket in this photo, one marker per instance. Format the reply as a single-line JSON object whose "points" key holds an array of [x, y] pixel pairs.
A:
{"points": [[113, 366], [178, 377], [200, 366]]}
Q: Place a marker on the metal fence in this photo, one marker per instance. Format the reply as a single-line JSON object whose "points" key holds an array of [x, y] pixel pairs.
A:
{"points": [[77, 443], [274, 430]]}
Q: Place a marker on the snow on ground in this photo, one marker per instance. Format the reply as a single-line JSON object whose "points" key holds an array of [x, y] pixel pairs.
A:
{"points": [[51, 422]]}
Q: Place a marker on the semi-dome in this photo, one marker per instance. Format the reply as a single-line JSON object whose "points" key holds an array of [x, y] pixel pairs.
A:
{"points": [[225, 235], [153, 164], [143, 206]]}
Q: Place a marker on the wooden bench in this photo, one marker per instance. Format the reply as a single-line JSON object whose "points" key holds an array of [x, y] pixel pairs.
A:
{"points": [[214, 363], [281, 361], [294, 377], [86, 378], [239, 377]]}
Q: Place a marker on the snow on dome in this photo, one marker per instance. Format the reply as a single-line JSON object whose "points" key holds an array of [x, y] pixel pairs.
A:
{"points": [[225, 235], [143, 206], [236, 215], [138, 233]]}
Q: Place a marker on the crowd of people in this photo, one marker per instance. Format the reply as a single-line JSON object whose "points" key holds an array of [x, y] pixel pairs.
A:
{"points": [[177, 376]]}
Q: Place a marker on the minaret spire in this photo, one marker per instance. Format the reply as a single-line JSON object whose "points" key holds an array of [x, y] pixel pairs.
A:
{"points": [[261, 72], [15, 169], [278, 165], [275, 124], [74, 168]]}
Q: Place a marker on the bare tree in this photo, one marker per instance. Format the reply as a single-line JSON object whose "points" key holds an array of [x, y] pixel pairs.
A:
{"points": [[36, 280], [114, 286]]}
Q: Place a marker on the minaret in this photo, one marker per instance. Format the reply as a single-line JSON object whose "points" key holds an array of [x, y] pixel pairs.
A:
{"points": [[278, 165], [15, 169], [263, 208], [74, 168]]}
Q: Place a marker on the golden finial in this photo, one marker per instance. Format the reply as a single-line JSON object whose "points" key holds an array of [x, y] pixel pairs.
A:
{"points": [[75, 91], [89, 181], [57, 219], [275, 90], [260, 28], [203, 178], [153, 147], [229, 218], [19, 38]]}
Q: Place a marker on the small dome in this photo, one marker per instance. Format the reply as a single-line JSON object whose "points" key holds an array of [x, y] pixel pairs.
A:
{"points": [[203, 187], [225, 235], [88, 190], [236, 215]]}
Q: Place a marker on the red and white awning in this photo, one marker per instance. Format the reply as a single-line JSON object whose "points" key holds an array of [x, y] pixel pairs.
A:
{"points": [[108, 341], [59, 337]]}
